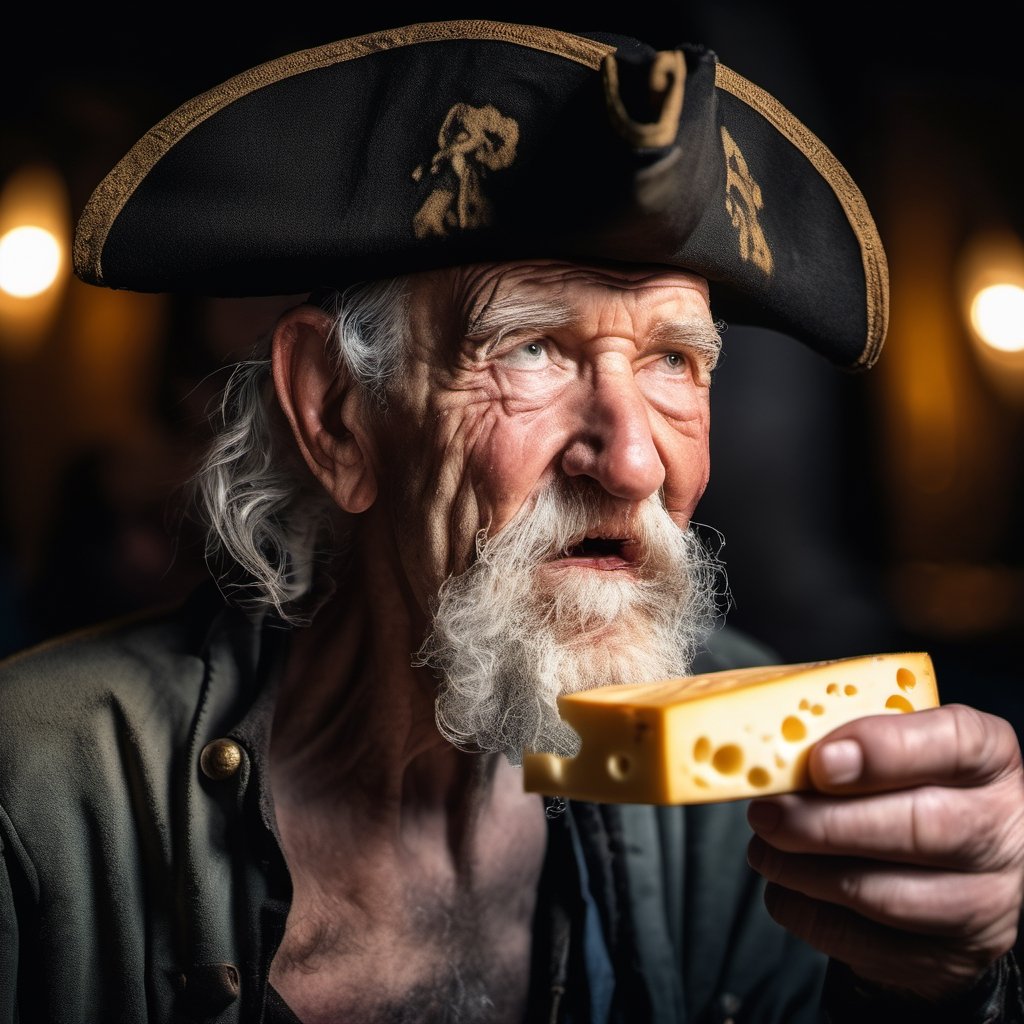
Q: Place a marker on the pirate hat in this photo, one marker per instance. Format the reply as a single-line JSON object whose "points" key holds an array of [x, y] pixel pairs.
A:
{"points": [[463, 141]]}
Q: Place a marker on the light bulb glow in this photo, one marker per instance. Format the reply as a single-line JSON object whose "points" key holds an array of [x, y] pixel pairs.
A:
{"points": [[29, 261], [997, 314]]}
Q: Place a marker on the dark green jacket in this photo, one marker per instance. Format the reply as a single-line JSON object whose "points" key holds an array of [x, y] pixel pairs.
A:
{"points": [[134, 887]]}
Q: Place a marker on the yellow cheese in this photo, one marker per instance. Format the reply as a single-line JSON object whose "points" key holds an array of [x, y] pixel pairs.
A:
{"points": [[721, 736]]}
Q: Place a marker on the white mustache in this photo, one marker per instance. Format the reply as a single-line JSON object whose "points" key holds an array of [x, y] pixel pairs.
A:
{"points": [[506, 646]]}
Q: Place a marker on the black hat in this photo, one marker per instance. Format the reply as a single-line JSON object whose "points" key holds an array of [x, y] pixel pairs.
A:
{"points": [[464, 141]]}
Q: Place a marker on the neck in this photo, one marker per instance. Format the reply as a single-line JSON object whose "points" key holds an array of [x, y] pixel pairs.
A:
{"points": [[354, 730]]}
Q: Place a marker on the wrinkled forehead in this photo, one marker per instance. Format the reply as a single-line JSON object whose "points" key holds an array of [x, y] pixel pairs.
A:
{"points": [[470, 298]]}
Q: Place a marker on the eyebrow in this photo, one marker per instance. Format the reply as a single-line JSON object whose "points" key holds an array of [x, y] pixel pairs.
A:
{"points": [[501, 316], [700, 336]]}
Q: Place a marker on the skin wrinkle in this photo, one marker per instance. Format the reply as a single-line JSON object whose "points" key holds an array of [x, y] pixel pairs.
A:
{"points": [[629, 427], [484, 281], [467, 491], [451, 456], [857, 940], [465, 504], [888, 896], [499, 318], [524, 623], [402, 819], [928, 821], [974, 743]]}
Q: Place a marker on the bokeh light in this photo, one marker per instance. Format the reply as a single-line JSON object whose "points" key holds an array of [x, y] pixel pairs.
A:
{"points": [[997, 314], [30, 260]]}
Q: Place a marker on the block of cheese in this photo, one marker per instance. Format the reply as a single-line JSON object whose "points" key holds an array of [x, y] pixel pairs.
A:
{"points": [[724, 735]]}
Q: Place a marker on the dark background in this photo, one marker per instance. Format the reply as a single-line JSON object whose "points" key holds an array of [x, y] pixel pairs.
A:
{"points": [[860, 513]]}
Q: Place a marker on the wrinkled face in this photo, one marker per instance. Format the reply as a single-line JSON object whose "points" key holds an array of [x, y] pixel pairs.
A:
{"points": [[521, 373]]}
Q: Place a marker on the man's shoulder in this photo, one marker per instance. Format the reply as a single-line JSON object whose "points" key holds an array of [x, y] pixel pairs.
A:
{"points": [[730, 648], [143, 675], [129, 658]]}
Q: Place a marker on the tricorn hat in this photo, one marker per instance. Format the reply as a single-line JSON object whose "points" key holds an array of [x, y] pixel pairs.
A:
{"points": [[466, 141]]}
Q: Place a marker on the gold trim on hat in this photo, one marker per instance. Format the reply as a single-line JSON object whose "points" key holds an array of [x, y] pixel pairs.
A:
{"points": [[118, 186], [667, 80], [876, 270]]}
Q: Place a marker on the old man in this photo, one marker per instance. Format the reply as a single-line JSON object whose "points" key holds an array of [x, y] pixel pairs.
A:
{"points": [[460, 484]]}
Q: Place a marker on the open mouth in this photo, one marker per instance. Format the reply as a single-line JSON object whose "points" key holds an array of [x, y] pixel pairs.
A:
{"points": [[596, 547], [600, 553]]}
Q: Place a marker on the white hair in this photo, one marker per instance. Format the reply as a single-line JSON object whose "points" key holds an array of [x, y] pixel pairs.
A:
{"points": [[506, 643], [268, 521]]}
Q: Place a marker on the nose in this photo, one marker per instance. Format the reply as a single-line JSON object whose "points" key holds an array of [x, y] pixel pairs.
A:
{"points": [[614, 444]]}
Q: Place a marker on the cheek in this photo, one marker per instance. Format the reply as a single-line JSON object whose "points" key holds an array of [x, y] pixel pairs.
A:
{"points": [[438, 498], [511, 459], [429, 438], [470, 464], [685, 452]]}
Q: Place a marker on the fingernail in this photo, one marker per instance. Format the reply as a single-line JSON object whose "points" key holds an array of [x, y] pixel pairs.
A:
{"points": [[842, 761], [763, 816]]}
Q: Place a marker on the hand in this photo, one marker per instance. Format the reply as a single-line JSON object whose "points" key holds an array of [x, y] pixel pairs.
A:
{"points": [[907, 862]]}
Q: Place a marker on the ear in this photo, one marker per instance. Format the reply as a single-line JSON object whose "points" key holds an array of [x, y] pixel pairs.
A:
{"points": [[324, 407]]}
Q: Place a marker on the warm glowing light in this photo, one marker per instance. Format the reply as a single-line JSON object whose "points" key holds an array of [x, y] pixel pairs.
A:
{"points": [[997, 314], [29, 261]]}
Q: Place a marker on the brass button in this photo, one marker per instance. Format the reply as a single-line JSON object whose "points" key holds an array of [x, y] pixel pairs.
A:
{"points": [[220, 759]]}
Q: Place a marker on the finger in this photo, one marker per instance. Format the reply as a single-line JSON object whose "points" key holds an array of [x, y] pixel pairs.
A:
{"points": [[950, 904], [953, 745], [932, 968], [957, 829]]}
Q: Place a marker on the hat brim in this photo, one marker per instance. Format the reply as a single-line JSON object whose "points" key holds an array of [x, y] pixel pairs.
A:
{"points": [[456, 142]]}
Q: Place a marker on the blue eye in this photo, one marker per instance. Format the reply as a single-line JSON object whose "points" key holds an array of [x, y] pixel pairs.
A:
{"points": [[531, 355]]}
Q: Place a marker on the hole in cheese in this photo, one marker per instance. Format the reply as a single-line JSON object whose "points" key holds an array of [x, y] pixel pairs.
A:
{"points": [[619, 766], [905, 679], [793, 729], [728, 760], [720, 737], [899, 703]]}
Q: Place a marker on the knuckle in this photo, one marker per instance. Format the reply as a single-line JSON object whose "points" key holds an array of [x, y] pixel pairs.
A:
{"points": [[985, 915], [959, 828], [941, 831], [978, 737], [833, 825], [1005, 849], [972, 737], [1005, 938]]}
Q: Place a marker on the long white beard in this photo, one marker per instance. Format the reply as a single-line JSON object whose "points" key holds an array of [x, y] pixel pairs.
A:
{"points": [[505, 645]]}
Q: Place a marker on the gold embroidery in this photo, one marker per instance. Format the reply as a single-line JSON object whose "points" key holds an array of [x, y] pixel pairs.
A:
{"points": [[742, 201], [472, 141], [667, 81], [113, 193], [876, 270]]}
